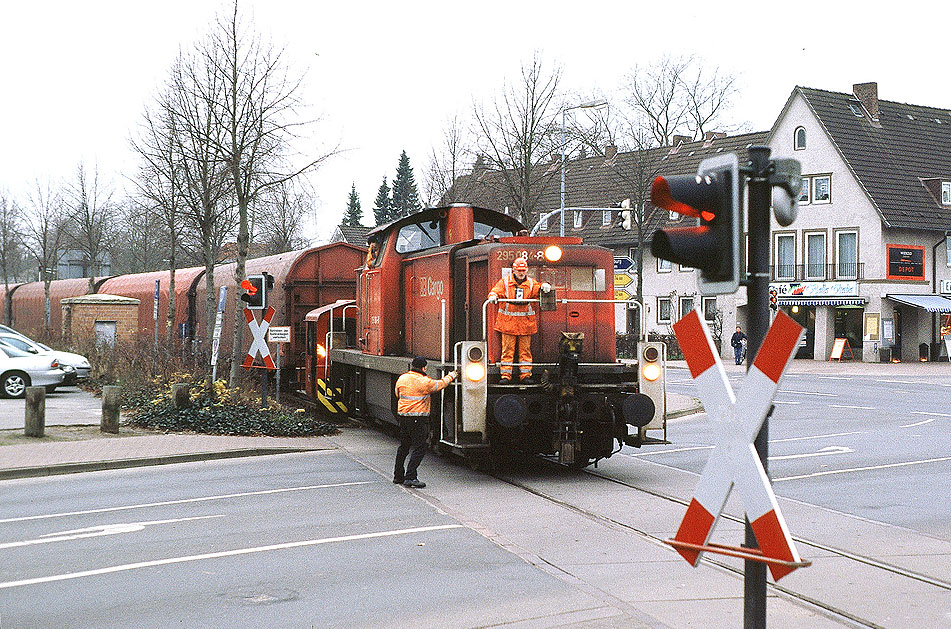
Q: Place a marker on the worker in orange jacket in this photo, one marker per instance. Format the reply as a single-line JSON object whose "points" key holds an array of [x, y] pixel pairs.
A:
{"points": [[413, 389], [517, 320]]}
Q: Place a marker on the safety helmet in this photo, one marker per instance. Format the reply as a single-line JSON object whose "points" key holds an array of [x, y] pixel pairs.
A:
{"points": [[520, 264]]}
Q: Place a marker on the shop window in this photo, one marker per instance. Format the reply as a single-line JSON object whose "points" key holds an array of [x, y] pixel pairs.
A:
{"points": [[664, 313]]}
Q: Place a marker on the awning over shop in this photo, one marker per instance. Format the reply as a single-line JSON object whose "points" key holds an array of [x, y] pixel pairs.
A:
{"points": [[821, 301], [931, 303]]}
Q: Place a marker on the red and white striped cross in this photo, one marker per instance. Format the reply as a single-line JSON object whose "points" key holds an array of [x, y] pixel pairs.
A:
{"points": [[258, 343], [734, 460]]}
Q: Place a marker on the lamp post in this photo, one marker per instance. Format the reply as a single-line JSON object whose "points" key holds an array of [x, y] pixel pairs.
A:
{"points": [[591, 105]]}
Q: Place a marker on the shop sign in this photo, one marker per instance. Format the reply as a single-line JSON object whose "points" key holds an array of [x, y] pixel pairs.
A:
{"points": [[905, 262], [816, 289], [946, 287]]}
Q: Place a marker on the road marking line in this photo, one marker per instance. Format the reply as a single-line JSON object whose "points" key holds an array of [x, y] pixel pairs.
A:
{"points": [[782, 402], [218, 555], [182, 501], [921, 423], [934, 414], [837, 434], [861, 408], [834, 378], [811, 393], [98, 531], [652, 452], [899, 381], [823, 452], [864, 469]]}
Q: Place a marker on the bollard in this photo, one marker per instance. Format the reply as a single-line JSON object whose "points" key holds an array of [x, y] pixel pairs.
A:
{"points": [[180, 395], [35, 420], [110, 409]]}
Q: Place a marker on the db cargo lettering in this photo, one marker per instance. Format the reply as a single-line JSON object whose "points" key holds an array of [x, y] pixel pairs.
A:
{"points": [[428, 287]]}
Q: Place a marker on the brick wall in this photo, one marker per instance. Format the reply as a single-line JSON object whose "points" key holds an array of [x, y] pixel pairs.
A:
{"points": [[80, 315]]}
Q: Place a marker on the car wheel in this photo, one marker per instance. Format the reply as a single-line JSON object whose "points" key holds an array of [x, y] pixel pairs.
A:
{"points": [[14, 384]]}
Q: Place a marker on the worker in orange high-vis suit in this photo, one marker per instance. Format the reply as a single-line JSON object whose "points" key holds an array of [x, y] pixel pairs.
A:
{"points": [[517, 320], [413, 389]]}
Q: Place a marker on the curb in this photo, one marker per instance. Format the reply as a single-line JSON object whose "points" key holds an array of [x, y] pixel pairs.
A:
{"points": [[118, 464]]}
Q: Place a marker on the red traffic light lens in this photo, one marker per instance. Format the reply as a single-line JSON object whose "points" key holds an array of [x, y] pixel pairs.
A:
{"points": [[248, 286], [662, 197]]}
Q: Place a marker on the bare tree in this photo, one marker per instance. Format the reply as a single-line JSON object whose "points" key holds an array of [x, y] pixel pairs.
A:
{"points": [[11, 237], [145, 246], [446, 164], [678, 96], [43, 236], [519, 136], [253, 100], [279, 215], [90, 220]]}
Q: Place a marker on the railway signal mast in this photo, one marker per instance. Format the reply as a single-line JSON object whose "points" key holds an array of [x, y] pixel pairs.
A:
{"points": [[713, 246]]}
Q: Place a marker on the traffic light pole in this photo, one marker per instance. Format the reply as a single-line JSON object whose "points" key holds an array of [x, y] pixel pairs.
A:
{"points": [[757, 291]]}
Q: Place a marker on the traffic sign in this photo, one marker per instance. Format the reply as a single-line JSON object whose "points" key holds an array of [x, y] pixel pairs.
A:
{"points": [[258, 345], [279, 334], [622, 263], [622, 279], [734, 461], [620, 293]]}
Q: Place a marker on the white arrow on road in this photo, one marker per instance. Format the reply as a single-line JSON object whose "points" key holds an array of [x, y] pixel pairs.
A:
{"points": [[97, 531], [823, 452]]}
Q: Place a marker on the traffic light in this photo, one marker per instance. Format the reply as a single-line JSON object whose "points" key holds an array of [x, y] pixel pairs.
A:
{"points": [[626, 216], [713, 247], [651, 372], [773, 299], [255, 295]]}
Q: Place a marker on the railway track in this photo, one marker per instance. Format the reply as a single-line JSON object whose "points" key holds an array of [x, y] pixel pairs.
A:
{"points": [[828, 609]]}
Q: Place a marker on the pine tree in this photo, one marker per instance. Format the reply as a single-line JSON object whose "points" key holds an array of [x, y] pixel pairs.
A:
{"points": [[354, 215], [405, 197], [381, 207]]}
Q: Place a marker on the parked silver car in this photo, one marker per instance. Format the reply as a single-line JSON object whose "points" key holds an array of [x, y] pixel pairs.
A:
{"points": [[76, 366], [20, 369]]}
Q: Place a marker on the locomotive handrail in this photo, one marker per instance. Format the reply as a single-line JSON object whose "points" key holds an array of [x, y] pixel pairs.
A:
{"points": [[328, 338], [564, 300]]}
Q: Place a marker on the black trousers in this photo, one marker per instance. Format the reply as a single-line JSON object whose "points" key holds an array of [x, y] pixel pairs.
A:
{"points": [[413, 431]]}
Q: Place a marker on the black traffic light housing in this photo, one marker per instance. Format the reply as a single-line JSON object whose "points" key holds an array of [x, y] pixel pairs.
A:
{"points": [[713, 247], [255, 295]]}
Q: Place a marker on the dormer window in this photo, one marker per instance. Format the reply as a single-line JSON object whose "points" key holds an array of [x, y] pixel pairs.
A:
{"points": [[946, 193], [577, 219], [799, 138]]}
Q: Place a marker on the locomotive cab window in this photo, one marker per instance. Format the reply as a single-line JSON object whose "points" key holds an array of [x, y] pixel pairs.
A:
{"points": [[587, 279], [419, 236], [482, 231]]}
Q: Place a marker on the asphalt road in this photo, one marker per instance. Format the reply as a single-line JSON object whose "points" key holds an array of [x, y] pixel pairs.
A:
{"points": [[874, 447], [67, 406], [310, 539]]}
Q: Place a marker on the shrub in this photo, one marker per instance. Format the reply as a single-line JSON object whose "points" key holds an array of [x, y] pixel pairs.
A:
{"points": [[218, 411]]}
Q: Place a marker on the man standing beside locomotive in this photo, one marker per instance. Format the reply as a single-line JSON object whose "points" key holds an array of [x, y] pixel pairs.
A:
{"points": [[413, 389], [517, 320]]}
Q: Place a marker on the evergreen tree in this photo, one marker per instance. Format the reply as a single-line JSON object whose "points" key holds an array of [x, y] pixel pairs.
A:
{"points": [[381, 207], [405, 197], [354, 215]]}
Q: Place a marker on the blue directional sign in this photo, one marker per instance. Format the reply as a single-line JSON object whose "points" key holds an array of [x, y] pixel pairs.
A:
{"points": [[622, 264]]}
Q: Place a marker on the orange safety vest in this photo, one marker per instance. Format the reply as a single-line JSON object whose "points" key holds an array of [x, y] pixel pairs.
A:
{"points": [[515, 318], [412, 392]]}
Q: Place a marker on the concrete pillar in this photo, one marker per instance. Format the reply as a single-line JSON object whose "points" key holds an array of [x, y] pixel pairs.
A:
{"points": [[180, 395], [110, 409], [35, 420]]}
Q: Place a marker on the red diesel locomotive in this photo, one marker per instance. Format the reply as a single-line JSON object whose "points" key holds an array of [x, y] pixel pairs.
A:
{"points": [[423, 291]]}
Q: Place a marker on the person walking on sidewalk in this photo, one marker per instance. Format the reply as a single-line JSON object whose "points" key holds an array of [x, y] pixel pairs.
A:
{"points": [[517, 320], [737, 342], [413, 389]]}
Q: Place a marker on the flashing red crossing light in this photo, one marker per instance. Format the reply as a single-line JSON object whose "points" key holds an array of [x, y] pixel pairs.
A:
{"points": [[256, 292], [713, 247]]}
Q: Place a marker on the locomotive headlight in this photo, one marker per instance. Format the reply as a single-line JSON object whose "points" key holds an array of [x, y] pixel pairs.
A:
{"points": [[651, 371], [321, 351], [475, 372], [553, 253]]}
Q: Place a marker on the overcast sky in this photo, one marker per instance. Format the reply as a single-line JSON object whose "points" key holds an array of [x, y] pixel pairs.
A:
{"points": [[386, 76]]}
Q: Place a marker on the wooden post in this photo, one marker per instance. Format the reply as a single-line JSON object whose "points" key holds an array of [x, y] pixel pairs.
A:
{"points": [[180, 395], [35, 419], [110, 409]]}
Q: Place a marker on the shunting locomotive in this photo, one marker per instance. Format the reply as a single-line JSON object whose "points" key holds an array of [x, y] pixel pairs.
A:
{"points": [[424, 291]]}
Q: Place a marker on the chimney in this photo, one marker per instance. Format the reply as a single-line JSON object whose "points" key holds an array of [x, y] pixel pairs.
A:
{"points": [[677, 140], [610, 152], [710, 136], [867, 93]]}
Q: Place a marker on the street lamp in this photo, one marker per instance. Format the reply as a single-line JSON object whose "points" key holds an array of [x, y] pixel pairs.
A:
{"points": [[591, 105]]}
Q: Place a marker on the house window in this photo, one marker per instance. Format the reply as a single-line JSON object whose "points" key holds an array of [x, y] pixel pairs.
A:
{"points": [[805, 195], [947, 250], [577, 219], [946, 193], [847, 255], [686, 305], [822, 189], [685, 269], [709, 308], [815, 256], [663, 310], [799, 141], [663, 266], [606, 216], [785, 257]]}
